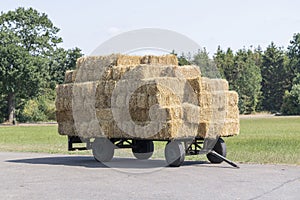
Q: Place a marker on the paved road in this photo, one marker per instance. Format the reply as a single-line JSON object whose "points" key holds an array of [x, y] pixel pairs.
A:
{"points": [[44, 176]]}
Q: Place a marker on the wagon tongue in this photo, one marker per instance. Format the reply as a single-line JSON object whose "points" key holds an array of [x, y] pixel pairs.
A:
{"points": [[208, 148], [224, 159]]}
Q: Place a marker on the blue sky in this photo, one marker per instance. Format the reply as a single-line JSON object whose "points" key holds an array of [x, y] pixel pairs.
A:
{"points": [[230, 23]]}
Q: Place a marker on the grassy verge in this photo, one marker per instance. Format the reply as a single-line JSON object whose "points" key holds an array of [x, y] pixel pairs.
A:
{"points": [[32, 139], [269, 140], [261, 140]]}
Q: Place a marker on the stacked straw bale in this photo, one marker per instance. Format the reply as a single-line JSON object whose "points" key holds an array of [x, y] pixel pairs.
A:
{"points": [[120, 96]]}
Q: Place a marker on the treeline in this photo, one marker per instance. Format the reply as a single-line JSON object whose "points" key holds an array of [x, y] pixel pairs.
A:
{"points": [[266, 80], [32, 63]]}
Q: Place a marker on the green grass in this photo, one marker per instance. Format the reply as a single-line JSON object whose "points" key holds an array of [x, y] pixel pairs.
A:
{"points": [[32, 139], [269, 140], [261, 140]]}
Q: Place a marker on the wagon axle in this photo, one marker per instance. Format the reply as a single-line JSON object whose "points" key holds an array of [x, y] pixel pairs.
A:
{"points": [[175, 150]]}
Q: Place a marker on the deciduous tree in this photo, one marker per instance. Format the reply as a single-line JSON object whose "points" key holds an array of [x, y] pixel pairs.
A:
{"points": [[28, 48]]}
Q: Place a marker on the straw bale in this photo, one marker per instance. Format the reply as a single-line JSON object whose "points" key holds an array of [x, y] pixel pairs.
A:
{"points": [[66, 128], [170, 129], [233, 98], [146, 71], [64, 90], [205, 99], [191, 113], [232, 112], [63, 99], [226, 128], [69, 76], [104, 114], [131, 130], [173, 86], [180, 102], [128, 60], [165, 113], [177, 129], [92, 68], [107, 127], [166, 97], [118, 100], [140, 115], [162, 60], [195, 83], [203, 129], [214, 84], [118, 71], [231, 128], [151, 71], [102, 101], [107, 74], [109, 87], [65, 123], [100, 88], [88, 129], [173, 112], [219, 117], [116, 132], [187, 130], [90, 62], [64, 116], [141, 100], [189, 71]]}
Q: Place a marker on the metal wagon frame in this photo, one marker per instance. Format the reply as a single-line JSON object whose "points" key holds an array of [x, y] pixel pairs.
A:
{"points": [[175, 149]]}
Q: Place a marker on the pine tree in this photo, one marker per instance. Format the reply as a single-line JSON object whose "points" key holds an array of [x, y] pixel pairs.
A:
{"points": [[274, 78]]}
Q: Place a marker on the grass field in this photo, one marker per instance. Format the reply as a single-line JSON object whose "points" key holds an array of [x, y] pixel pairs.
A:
{"points": [[32, 139], [269, 140], [261, 140]]}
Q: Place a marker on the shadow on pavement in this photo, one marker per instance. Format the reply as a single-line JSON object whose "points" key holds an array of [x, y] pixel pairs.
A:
{"points": [[80, 161], [89, 162]]}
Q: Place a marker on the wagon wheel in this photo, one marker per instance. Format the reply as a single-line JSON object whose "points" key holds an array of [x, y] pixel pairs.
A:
{"points": [[142, 149], [220, 148], [103, 149], [174, 153]]}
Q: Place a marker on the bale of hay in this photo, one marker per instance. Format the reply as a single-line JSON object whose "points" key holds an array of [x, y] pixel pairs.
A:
{"points": [[219, 114], [121, 96], [214, 84], [162, 60], [70, 76]]}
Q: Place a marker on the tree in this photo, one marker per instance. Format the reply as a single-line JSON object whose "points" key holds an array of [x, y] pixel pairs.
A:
{"points": [[226, 66], [61, 61], [294, 55], [207, 65], [291, 99], [183, 59], [248, 81], [242, 72], [28, 43], [274, 78], [219, 59]]}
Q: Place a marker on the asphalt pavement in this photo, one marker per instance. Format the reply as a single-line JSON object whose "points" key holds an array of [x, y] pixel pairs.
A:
{"points": [[48, 176]]}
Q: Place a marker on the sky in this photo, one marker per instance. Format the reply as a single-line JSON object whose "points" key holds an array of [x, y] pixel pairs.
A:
{"points": [[230, 23]]}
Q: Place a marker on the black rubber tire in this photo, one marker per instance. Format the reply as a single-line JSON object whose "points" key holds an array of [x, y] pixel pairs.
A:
{"points": [[220, 148], [142, 149], [103, 149], [174, 153]]}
